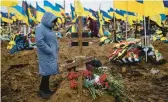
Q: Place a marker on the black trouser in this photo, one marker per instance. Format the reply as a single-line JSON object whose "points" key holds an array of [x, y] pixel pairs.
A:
{"points": [[44, 85]]}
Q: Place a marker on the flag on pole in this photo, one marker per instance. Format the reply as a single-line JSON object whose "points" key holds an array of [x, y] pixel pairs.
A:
{"points": [[106, 16], [72, 12], [158, 18], [111, 11], [31, 16], [13, 17], [39, 12], [79, 10], [20, 14], [61, 8], [48, 6], [119, 14], [57, 11], [4, 18]]}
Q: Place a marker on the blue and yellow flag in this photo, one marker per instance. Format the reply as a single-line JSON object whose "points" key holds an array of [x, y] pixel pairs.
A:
{"points": [[51, 8], [119, 14], [142, 7], [93, 14], [48, 6], [20, 14], [60, 8], [87, 13], [111, 12], [130, 16], [158, 18], [31, 16], [57, 11], [39, 12], [79, 10], [73, 28], [72, 12], [106, 16], [4, 18], [13, 17]]}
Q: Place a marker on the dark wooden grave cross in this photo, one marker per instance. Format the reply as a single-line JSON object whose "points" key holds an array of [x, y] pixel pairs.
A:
{"points": [[79, 39]]}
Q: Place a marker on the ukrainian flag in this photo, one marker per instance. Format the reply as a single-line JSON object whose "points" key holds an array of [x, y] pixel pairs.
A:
{"points": [[142, 7], [158, 18], [39, 12], [130, 15], [48, 6], [87, 13], [119, 14], [31, 17], [20, 13], [57, 11], [60, 8], [51, 8], [73, 28], [93, 14], [4, 18], [106, 16], [13, 17], [111, 11], [79, 10], [72, 12]]}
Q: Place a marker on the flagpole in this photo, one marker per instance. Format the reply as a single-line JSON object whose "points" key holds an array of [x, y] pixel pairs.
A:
{"points": [[126, 24], [148, 22], [126, 20], [9, 20], [115, 40], [64, 5], [145, 38], [136, 26]]}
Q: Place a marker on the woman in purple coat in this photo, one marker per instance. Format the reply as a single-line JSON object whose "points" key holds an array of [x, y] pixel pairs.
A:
{"points": [[93, 27]]}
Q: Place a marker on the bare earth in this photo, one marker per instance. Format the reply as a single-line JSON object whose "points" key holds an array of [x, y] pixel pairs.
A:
{"points": [[20, 78]]}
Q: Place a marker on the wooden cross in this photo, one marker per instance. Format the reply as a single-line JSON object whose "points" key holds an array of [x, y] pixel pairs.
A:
{"points": [[80, 60]]}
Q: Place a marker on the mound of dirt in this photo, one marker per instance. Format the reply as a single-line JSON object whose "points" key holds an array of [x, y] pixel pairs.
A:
{"points": [[65, 94]]}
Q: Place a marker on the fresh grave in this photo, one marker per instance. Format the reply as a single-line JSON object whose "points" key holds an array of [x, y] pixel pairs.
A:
{"points": [[131, 52], [97, 80], [18, 42]]}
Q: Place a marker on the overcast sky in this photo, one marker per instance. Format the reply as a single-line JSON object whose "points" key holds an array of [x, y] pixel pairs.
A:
{"points": [[93, 4]]}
